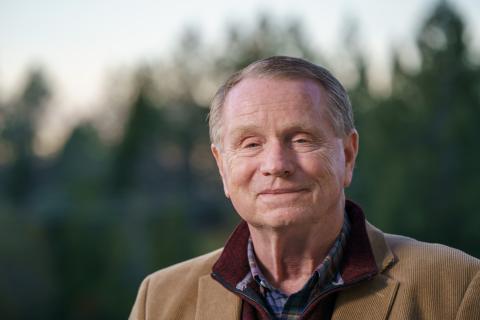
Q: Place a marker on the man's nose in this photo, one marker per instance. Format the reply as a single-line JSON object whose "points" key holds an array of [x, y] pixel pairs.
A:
{"points": [[277, 161]]}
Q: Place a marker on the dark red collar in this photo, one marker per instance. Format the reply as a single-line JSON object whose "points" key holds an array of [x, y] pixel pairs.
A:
{"points": [[358, 260]]}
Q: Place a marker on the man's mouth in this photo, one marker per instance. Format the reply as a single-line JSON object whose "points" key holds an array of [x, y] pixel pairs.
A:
{"points": [[279, 191]]}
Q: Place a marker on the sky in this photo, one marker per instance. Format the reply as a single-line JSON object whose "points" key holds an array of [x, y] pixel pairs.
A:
{"points": [[77, 42]]}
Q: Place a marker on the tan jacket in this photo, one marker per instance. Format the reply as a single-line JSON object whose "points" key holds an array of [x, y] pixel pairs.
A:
{"points": [[417, 281]]}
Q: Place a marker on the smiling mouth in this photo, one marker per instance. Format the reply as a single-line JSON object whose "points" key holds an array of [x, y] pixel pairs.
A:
{"points": [[281, 191]]}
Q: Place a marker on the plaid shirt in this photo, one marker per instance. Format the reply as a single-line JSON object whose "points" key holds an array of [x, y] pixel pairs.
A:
{"points": [[291, 307]]}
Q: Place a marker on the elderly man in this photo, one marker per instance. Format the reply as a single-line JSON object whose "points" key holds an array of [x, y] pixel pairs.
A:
{"points": [[285, 144]]}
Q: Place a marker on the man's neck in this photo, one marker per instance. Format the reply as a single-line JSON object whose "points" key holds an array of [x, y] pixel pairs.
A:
{"points": [[289, 256]]}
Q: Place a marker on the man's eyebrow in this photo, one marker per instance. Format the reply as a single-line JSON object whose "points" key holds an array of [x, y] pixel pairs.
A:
{"points": [[302, 128], [244, 129], [306, 129]]}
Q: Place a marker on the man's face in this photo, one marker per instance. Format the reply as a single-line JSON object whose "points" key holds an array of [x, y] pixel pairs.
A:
{"points": [[280, 160]]}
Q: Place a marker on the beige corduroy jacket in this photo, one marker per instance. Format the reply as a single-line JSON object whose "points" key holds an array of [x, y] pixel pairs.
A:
{"points": [[416, 281]]}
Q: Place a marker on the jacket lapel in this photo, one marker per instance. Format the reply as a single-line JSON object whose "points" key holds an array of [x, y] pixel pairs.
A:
{"points": [[371, 299], [209, 293]]}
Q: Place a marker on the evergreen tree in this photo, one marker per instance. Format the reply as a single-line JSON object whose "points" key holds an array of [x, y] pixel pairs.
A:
{"points": [[420, 155], [20, 132]]}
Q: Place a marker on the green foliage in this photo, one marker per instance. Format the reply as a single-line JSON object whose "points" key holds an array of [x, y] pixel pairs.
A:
{"points": [[79, 231], [418, 164]]}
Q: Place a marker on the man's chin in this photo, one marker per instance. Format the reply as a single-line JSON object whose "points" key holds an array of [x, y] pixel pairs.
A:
{"points": [[282, 218]]}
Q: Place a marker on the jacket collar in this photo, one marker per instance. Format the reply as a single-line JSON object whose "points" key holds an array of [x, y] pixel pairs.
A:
{"points": [[232, 266], [371, 299], [384, 256], [359, 259], [366, 255]]}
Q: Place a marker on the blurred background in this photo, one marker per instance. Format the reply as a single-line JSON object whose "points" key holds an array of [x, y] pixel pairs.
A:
{"points": [[105, 168]]}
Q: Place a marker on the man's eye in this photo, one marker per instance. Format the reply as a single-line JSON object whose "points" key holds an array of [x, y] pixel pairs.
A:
{"points": [[300, 141], [251, 145]]}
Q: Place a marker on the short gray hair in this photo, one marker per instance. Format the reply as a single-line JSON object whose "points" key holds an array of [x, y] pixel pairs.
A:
{"points": [[339, 106]]}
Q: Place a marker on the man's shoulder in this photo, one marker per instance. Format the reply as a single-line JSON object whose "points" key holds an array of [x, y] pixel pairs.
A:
{"points": [[186, 271], [419, 258], [173, 290], [405, 253], [430, 280], [409, 248]]}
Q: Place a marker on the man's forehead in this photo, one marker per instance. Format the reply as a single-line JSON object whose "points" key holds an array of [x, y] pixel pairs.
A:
{"points": [[266, 92], [286, 105]]}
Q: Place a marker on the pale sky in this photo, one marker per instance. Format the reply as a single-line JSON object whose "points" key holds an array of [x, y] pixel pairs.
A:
{"points": [[77, 42]]}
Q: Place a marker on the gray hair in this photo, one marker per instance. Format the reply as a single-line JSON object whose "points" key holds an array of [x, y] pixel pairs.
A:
{"points": [[339, 106]]}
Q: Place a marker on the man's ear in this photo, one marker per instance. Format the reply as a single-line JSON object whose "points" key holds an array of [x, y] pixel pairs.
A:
{"points": [[217, 154], [350, 149]]}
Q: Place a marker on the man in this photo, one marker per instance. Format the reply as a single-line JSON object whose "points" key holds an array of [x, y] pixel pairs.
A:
{"points": [[285, 144]]}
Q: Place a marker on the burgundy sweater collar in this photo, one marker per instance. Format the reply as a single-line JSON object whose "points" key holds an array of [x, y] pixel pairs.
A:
{"points": [[358, 260]]}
